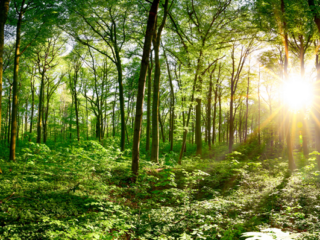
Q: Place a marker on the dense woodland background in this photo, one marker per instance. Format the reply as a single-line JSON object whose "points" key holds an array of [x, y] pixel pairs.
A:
{"points": [[158, 119]]}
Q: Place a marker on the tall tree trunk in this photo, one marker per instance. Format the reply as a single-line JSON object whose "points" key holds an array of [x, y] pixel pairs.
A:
{"points": [[70, 121], [87, 120], [113, 115], [32, 107], [4, 9], [247, 109], [209, 112], [171, 123], [121, 98], [214, 116], [15, 87], [77, 114], [150, 66], [215, 107], [40, 108], [156, 88], [141, 86], [259, 110], [198, 119], [317, 108], [220, 114], [231, 120], [26, 118], [9, 115], [155, 106]]}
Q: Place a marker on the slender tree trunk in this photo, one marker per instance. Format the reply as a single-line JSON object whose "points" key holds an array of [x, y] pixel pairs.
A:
{"points": [[141, 87], [26, 118], [198, 120], [259, 109], [214, 117], [15, 88], [317, 109], [247, 109], [209, 113], [70, 121], [122, 113], [40, 108], [171, 123], [4, 9], [9, 115], [231, 124], [150, 66], [32, 108], [113, 115], [77, 114], [155, 106], [87, 120], [156, 88], [220, 115]]}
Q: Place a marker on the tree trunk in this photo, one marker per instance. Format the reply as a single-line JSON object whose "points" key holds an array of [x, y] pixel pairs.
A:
{"points": [[9, 114], [40, 107], [15, 88], [155, 105], [113, 115], [77, 114], [4, 9], [171, 123], [247, 109], [122, 114], [231, 118], [141, 87], [26, 118], [198, 116], [150, 66], [259, 110], [209, 112], [220, 114], [32, 108]]}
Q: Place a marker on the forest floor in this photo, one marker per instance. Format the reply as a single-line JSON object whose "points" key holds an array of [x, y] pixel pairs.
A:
{"points": [[84, 191]]}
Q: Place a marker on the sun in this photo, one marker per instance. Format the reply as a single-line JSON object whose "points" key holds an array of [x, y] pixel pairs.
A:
{"points": [[297, 94]]}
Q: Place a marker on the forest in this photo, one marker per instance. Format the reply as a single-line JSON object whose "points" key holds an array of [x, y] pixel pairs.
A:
{"points": [[160, 119]]}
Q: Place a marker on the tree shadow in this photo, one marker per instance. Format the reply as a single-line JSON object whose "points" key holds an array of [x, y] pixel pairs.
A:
{"points": [[35, 213], [265, 204]]}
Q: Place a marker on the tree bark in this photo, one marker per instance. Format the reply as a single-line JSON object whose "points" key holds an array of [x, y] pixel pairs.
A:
{"points": [[141, 87], [4, 9], [156, 88], [171, 123], [40, 108], [247, 109], [15, 87], [150, 66]]}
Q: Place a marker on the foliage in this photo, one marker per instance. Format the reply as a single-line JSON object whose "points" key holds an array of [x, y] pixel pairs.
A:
{"points": [[84, 191]]}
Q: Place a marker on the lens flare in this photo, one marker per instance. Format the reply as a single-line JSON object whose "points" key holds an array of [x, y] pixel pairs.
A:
{"points": [[297, 94]]}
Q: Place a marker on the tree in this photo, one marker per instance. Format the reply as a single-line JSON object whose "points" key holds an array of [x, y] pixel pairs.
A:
{"points": [[151, 24], [4, 9], [107, 24], [156, 39]]}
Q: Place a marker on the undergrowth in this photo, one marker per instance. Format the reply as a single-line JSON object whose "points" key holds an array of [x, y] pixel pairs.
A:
{"points": [[84, 191]]}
